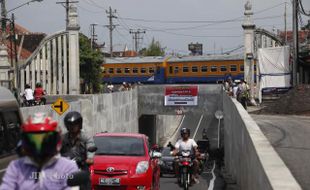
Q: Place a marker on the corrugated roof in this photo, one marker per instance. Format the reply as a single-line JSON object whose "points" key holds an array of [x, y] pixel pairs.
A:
{"points": [[156, 59]]}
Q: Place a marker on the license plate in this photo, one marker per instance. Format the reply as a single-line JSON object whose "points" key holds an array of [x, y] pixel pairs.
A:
{"points": [[109, 181]]}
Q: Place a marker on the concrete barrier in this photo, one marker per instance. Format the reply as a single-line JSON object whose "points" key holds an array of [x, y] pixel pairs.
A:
{"points": [[249, 157], [115, 112]]}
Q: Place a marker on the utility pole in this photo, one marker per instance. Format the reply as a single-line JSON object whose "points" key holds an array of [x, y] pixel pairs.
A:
{"points": [[285, 23], [136, 37], [295, 43], [111, 27], [66, 4], [15, 50], [3, 19], [93, 35]]}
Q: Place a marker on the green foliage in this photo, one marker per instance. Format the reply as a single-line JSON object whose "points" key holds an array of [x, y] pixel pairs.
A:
{"points": [[154, 49], [90, 65]]}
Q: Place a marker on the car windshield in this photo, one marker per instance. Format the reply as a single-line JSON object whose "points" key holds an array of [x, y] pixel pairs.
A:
{"points": [[122, 146], [166, 152]]}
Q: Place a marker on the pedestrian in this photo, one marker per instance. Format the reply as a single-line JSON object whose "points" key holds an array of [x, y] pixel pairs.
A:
{"points": [[243, 93]]}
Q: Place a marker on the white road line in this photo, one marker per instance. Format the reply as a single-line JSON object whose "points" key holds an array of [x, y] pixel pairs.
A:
{"points": [[198, 126], [3, 170], [211, 185]]}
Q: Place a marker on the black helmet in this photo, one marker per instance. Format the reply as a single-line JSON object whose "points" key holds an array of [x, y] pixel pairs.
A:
{"points": [[185, 130], [38, 85], [27, 86], [73, 118]]}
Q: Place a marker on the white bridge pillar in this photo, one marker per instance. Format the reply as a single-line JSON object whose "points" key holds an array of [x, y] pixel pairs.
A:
{"points": [[74, 56], [249, 27]]}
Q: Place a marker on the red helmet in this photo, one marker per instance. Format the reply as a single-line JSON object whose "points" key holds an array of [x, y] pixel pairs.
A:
{"points": [[41, 137]]}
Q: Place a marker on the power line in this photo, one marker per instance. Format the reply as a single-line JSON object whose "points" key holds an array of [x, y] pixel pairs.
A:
{"points": [[136, 35], [111, 27]]}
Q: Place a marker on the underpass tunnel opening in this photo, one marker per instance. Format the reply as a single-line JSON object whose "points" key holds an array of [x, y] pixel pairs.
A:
{"points": [[147, 126]]}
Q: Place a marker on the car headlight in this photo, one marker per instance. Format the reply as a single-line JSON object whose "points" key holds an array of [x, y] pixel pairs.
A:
{"points": [[142, 167]]}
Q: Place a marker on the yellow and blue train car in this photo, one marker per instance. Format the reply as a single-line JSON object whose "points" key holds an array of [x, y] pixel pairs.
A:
{"points": [[160, 70]]}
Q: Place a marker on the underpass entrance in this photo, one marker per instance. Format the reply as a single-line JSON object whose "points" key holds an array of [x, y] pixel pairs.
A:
{"points": [[147, 126]]}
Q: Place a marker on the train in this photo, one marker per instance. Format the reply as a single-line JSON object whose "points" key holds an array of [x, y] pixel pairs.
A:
{"points": [[173, 70]]}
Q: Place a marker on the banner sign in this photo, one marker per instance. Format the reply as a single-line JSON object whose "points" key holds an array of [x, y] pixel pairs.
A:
{"points": [[181, 96]]}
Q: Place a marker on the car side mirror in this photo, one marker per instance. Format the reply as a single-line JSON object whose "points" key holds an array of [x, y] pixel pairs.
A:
{"points": [[78, 178], [156, 154]]}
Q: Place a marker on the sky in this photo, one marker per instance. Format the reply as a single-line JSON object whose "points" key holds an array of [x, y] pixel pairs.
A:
{"points": [[175, 23]]}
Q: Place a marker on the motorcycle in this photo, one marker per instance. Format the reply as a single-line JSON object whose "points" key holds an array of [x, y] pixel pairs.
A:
{"points": [[185, 168]]}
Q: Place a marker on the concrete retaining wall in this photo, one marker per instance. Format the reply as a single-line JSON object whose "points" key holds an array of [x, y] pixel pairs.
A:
{"points": [[166, 126], [117, 112], [249, 156]]}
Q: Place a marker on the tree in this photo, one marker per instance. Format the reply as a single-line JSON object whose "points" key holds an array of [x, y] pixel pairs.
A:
{"points": [[154, 49], [90, 65]]}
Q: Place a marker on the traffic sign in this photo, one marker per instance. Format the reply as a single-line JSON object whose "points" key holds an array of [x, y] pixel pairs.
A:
{"points": [[60, 106]]}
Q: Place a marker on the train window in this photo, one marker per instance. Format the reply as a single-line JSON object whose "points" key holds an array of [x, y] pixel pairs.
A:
{"points": [[170, 69], [213, 68], [135, 70], [111, 70], [176, 69], [151, 70], [185, 69], [223, 68], [118, 70], [194, 69], [143, 70], [241, 67], [204, 69], [233, 68], [127, 70]]}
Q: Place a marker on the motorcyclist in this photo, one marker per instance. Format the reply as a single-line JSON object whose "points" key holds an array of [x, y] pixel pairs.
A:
{"points": [[76, 142], [41, 166], [186, 143], [28, 95], [39, 93]]}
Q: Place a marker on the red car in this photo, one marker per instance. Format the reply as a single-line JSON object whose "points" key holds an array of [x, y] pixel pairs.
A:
{"points": [[124, 161]]}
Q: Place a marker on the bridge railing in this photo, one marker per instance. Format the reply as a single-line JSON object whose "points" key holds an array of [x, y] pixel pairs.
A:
{"points": [[48, 65]]}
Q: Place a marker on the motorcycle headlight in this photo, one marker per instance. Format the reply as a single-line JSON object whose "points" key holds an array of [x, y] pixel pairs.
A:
{"points": [[142, 167]]}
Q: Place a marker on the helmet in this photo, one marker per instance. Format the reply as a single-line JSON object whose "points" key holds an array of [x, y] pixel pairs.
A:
{"points": [[185, 130], [38, 85], [27, 86], [72, 118], [41, 137]]}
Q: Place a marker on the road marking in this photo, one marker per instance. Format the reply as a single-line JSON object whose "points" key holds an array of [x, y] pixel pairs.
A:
{"points": [[198, 126], [3, 170], [175, 132], [211, 186]]}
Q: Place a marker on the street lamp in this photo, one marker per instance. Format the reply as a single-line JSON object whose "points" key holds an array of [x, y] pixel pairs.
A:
{"points": [[219, 115], [27, 3]]}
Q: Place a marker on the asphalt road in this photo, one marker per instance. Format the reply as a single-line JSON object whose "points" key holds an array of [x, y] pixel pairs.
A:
{"points": [[289, 135], [209, 180]]}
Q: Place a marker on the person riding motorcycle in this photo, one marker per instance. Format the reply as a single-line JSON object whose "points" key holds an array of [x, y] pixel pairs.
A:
{"points": [[186, 143], [75, 142], [41, 166], [28, 95], [39, 93]]}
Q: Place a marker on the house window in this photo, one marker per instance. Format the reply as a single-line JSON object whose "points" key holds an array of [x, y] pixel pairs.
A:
{"points": [[204, 69], [233, 68], [213, 68], [241, 68], [127, 70], [143, 70], [223, 68], [194, 69], [118, 70], [111, 70], [135, 70], [185, 69]]}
